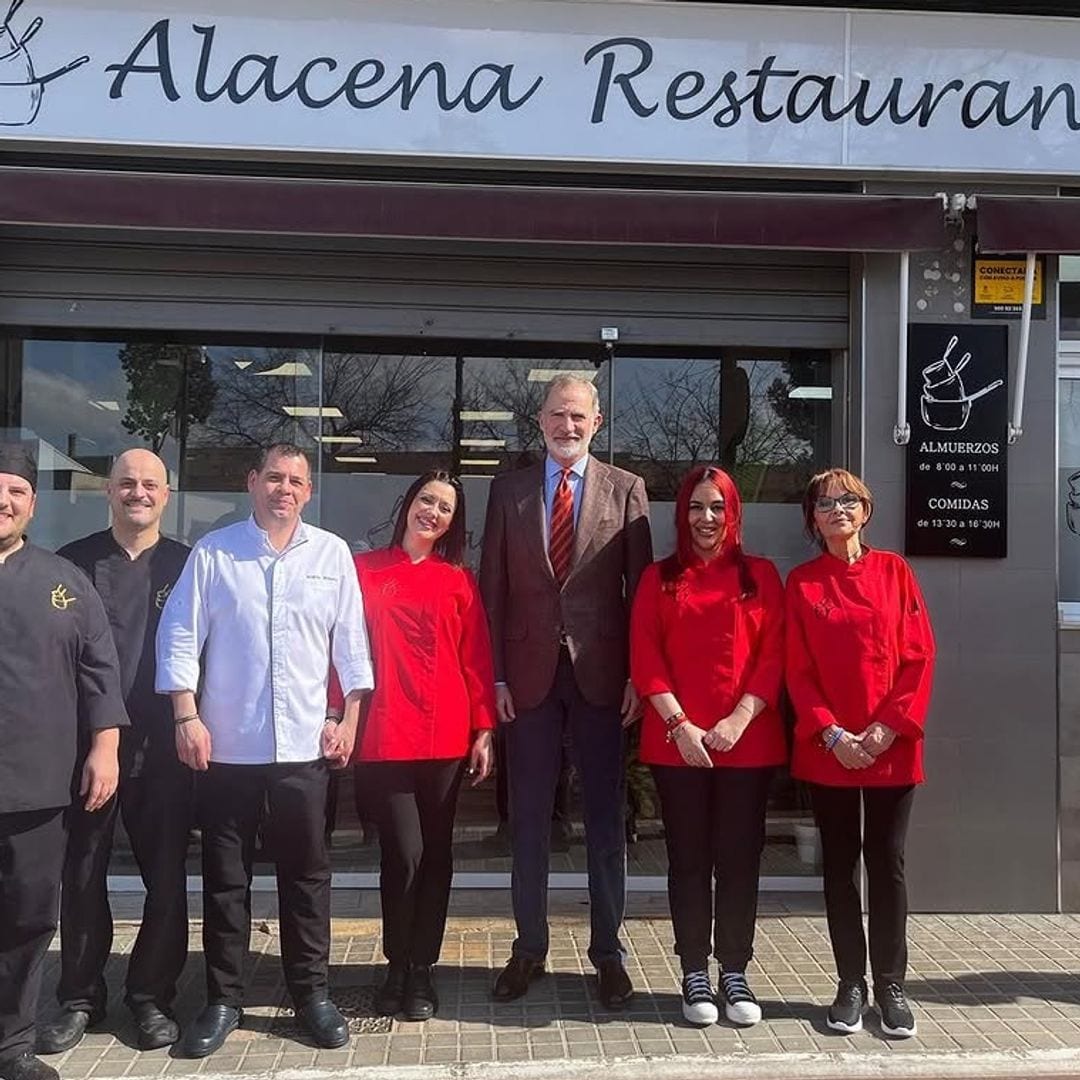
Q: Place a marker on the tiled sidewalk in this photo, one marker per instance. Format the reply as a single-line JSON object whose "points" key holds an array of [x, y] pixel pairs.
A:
{"points": [[1005, 986]]}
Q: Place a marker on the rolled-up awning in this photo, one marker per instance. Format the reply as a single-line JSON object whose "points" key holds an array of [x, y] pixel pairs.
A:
{"points": [[200, 203], [1009, 223]]}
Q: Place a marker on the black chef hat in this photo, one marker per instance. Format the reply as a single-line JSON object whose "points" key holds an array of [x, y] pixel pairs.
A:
{"points": [[17, 459]]}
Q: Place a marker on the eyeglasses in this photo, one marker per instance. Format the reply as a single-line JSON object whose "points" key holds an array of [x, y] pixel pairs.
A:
{"points": [[826, 503]]}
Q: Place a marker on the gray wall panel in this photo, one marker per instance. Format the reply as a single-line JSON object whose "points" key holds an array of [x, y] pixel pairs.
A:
{"points": [[984, 831]]}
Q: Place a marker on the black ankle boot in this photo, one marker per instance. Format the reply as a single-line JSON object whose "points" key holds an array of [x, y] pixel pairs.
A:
{"points": [[391, 993], [421, 1002]]}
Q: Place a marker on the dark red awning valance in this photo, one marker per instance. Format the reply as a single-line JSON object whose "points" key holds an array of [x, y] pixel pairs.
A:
{"points": [[127, 200], [1013, 223]]}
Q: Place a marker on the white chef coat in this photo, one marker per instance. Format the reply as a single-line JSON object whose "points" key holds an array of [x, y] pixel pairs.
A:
{"points": [[269, 621]]}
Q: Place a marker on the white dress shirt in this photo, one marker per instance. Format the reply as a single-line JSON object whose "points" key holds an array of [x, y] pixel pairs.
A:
{"points": [[269, 621]]}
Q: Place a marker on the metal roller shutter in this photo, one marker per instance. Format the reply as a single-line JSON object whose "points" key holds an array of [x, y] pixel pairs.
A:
{"points": [[67, 279]]}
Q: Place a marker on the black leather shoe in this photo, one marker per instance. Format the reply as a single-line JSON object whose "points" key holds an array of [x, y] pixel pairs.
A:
{"points": [[324, 1023], [65, 1030], [613, 984], [391, 994], [26, 1067], [155, 1028], [210, 1029], [513, 981], [421, 1002]]}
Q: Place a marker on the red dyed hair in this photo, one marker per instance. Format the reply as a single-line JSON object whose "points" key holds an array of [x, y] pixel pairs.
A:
{"points": [[684, 555]]}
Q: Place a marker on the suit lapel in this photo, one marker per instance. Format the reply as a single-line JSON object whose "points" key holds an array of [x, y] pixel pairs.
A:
{"points": [[530, 507], [595, 498]]}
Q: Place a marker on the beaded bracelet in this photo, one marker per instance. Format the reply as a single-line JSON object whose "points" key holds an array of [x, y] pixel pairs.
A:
{"points": [[834, 738]]}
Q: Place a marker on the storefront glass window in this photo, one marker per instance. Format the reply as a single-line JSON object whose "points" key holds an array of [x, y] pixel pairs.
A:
{"points": [[373, 419], [1069, 440], [205, 408]]}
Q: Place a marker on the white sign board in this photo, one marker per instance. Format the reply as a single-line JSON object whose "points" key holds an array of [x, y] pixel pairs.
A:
{"points": [[549, 80]]}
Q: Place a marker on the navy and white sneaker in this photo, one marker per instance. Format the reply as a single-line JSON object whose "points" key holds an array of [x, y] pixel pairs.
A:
{"points": [[699, 999], [846, 1011], [896, 1017], [740, 1005]]}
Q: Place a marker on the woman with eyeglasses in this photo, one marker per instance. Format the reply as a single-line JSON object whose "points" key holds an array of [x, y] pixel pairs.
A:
{"points": [[706, 656], [860, 662], [428, 721]]}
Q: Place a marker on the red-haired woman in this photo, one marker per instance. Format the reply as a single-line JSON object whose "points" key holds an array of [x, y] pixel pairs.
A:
{"points": [[706, 655], [430, 715], [860, 662]]}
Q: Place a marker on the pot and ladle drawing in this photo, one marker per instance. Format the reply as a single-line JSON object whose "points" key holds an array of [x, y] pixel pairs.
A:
{"points": [[21, 88], [945, 404]]}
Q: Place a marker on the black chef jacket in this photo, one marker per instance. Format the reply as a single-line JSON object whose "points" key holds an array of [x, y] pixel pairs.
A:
{"points": [[59, 673], [134, 592]]}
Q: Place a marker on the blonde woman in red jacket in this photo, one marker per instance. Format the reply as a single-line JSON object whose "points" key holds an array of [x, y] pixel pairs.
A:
{"points": [[706, 655], [428, 721], [860, 661]]}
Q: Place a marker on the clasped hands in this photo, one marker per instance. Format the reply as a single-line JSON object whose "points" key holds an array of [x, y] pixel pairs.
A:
{"points": [[694, 743], [860, 751]]}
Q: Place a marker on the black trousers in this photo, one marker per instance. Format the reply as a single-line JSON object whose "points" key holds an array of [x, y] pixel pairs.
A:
{"points": [[561, 813], [415, 802], [535, 744], [288, 803], [157, 809], [714, 825], [31, 860], [879, 836]]}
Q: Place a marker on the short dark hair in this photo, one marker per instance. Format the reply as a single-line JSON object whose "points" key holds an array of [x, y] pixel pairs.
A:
{"points": [[279, 449], [451, 545]]}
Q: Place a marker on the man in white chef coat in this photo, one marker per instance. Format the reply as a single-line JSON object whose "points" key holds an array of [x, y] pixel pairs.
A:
{"points": [[260, 611]]}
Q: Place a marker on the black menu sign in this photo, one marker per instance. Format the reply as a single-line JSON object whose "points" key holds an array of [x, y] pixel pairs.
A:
{"points": [[958, 409]]}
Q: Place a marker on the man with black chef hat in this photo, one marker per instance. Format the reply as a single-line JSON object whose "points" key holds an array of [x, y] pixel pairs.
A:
{"points": [[59, 678], [133, 567]]}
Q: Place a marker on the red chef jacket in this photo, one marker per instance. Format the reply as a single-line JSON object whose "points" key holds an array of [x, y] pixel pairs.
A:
{"points": [[860, 649], [706, 644], [434, 683]]}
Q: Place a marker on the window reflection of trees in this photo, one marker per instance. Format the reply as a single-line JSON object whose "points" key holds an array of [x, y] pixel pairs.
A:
{"points": [[385, 401], [673, 414]]}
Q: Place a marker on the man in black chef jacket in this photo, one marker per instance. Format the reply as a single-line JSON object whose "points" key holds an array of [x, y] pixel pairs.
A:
{"points": [[59, 679], [133, 567]]}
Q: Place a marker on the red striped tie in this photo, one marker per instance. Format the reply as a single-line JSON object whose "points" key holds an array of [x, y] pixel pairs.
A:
{"points": [[561, 542]]}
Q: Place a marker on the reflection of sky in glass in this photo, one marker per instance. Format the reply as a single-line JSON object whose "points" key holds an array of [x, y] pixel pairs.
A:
{"points": [[737, 411]]}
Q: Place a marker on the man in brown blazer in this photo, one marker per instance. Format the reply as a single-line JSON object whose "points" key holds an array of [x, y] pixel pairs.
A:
{"points": [[565, 543]]}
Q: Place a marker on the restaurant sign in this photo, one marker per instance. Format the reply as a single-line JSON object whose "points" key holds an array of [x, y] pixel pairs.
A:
{"points": [[958, 402], [588, 81]]}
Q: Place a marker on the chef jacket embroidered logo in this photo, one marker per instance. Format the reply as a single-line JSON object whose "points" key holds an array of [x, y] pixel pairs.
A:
{"points": [[21, 88], [161, 596], [59, 598]]}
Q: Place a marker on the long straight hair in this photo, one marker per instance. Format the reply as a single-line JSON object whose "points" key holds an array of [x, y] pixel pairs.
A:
{"points": [[451, 545], [684, 556]]}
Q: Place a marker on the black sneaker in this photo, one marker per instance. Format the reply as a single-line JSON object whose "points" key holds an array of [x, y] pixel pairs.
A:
{"points": [[699, 999], [740, 1005], [896, 1018], [846, 1011]]}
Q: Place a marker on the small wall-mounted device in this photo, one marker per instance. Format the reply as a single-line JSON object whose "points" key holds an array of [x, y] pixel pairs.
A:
{"points": [[609, 333]]}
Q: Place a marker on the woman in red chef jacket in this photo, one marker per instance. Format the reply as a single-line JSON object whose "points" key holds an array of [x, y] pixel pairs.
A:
{"points": [[706, 655], [430, 715], [860, 661]]}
